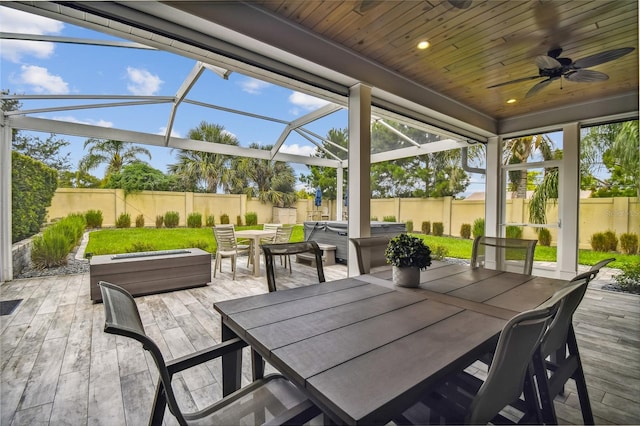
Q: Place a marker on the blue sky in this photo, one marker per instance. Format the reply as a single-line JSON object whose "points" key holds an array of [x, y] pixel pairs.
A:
{"points": [[59, 68]]}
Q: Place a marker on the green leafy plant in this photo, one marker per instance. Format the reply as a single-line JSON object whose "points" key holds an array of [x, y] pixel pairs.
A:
{"points": [[388, 218], [478, 227], [201, 244], [629, 243], [426, 227], [139, 246], [123, 221], [610, 241], [438, 229], [224, 219], [140, 221], [374, 218], [171, 219], [159, 221], [210, 221], [544, 237], [439, 252], [598, 242], [238, 220], [514, 232], [465, 230], [194, 220], [409, 225], [629, 279], [94, 218], [407, 250], [251, 218], [51, 248]]}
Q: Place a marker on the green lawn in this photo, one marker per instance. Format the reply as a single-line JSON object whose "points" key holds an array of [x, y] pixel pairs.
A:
{"points": [[112, 241]]}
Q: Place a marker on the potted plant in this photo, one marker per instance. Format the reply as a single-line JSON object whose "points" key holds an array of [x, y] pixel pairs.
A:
{"points": [[408, 255]]}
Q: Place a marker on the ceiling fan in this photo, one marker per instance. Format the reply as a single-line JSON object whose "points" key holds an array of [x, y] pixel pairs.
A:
{"points": [[553, 67]]}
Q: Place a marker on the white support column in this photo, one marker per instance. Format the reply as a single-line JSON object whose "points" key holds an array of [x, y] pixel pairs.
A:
{"points": [[6, 259], [339, 193], [494, 199], [359, 168], [569, 197]]}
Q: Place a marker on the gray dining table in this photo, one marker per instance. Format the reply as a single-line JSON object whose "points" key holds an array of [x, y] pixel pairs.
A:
{"points": [[364, 350]]}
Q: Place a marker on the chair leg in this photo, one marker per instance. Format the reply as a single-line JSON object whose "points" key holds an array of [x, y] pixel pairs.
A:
{"points": [[233, 265], [215, 267], [578, 377], [542, 382], [159, 405]]}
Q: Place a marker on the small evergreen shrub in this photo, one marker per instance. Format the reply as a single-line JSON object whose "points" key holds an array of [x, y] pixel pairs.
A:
{"points": [[629, 243], [465, 230], [238, 220], [514, 232], [438, 229], [439, 252], [140, 221], [123, 221], [478, 227], [544, 237], [426, 227], [629, 279], [251, 218], [409, 225], [171, 219], [388, 218], [224, 219], [598, 242], [610, 241], [49, 249], [374, 218], [139, 246], [194, 220], [159, 221], [94, 218], [210, 221]]}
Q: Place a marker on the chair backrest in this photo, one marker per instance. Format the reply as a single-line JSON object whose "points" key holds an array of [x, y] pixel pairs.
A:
{"points": [[225, 236], [283, 234], [596, 268], [570, 295], [271, 226], [284, 249], [503, 254], [518, 340], [123, 318], [371, 248]]}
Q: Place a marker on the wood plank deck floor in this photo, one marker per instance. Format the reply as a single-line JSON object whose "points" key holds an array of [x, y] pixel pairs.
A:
{"points": [[59, 367]]}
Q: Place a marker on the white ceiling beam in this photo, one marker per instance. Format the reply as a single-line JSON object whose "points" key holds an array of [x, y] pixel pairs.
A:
{"points": [[183, 90], [73, 40], [398, 132], [79, 107]]}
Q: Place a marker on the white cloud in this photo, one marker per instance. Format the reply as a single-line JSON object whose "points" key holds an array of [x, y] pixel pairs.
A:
{"points": [[16, 21], [72, 119], [253, 86], [306, 102], [174, 132], [142, 82], [42, 81], [304, 150]]}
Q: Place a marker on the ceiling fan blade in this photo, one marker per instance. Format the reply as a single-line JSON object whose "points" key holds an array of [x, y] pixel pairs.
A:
{"points": [[586, 76], [602, 57], [518, 80], [460, 4], [539, 86], [545, 62]]}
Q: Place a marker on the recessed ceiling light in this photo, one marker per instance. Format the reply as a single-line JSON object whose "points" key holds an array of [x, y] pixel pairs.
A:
{"points": [[424, 44], [511, 101]]}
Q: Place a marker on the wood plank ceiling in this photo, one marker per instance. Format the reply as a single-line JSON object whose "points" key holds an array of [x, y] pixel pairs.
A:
{"points": [[487, 43]]}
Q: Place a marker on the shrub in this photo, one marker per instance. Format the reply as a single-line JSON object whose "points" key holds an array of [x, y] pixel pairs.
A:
{"points": [[465, 230], [49, 249], [210, 221], [610, 241], [629, 243], [374, 218], [629, 279], [159, 221], [426, 227], [194, 220], [140, 221], [238, 220], [139, 246], [438, 229], [439, 252], [171, 219], [409, 225], [407, 250], [544, 237], [224, 219], [94, 218], [478, 227], [251, 218], [123, 221], [514, 231], [201, 244], [598, 242], [388, 218]]}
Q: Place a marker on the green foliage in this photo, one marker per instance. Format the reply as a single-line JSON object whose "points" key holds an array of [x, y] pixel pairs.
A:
{"points": [[139, 176], [94, 218], [201, 244], [238, 220], [77, 179], [140, 221], [374, 218], [115, 154], [52, 247], [251, 218], [407, 250], [439, 252], [409, 225], [123, 221], [598, 242], [210, 221], [32, 187], [224, 219], [544, 237], [465, 230], [47, 151], [514, 232], [139, 246], [426, 227], [611, 241], [159, 221], [388, 218], [629, 279], [438, 229], [194, 220], [629, 243], [478, 227], [171, 219]]}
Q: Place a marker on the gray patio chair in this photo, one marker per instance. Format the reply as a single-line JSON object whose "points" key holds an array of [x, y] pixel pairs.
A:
{"points": [[271, 399], [371, 248], [283, 235], [227, 246], [462, 398], [288, 249], [503, 254]]}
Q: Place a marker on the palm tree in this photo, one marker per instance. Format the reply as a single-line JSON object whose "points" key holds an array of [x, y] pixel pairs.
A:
{"points": [[519, 150], [115, 154], [626, 150], [206, 171]]}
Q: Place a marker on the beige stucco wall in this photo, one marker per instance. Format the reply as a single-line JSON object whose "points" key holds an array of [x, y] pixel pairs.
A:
{"points": [[620, 214]]}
